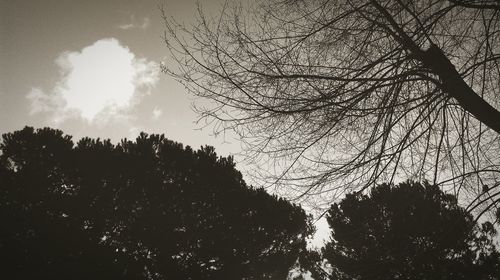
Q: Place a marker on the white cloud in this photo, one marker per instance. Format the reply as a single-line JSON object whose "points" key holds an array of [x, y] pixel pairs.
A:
{"points": [[133, 132], [40, 102], [99, 83], [133, 23], [157, 112]]}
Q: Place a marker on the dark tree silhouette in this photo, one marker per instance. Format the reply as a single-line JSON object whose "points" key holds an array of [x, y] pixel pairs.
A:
{"points": [[143, 209], [344, 94], [41, 235], [408, 231]]}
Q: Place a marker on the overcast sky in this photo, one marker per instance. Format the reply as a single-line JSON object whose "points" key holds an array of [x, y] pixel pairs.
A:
{"points": [[91, 68]]}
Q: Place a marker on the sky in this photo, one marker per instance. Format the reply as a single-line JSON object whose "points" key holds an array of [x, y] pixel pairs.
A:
{"points": [[91, 68]]}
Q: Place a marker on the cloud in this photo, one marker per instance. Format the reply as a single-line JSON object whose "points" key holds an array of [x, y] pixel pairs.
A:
{"points": [[133, 132], [40, 102], [156, 113], [99, 83], [133, 23]]}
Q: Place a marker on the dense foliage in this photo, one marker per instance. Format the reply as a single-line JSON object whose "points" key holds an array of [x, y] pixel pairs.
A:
{"points": [[143, 209], [152, 209], [408, 231]]}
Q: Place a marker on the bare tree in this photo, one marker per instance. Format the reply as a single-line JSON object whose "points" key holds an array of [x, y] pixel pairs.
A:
{"points": [[336, 96]]}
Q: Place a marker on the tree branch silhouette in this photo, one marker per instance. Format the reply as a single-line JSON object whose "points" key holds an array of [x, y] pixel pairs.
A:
{"points": [[334, 96]]}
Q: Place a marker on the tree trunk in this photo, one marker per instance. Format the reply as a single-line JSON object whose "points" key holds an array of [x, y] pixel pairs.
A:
{"points": [[455, 86]]}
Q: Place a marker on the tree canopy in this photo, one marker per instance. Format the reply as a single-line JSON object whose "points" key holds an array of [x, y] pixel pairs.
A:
{"points": [[143, 209], [408, 231], [338, 95]]}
